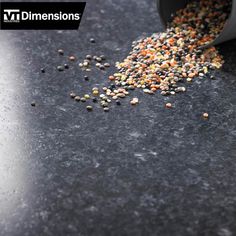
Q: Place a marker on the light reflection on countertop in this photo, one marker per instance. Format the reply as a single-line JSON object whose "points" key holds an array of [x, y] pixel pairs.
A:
{"points": [[13, 168]]}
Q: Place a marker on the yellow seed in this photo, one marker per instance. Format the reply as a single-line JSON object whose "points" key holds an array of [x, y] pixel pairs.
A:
{"points": [[86, 96], [95, 92]]}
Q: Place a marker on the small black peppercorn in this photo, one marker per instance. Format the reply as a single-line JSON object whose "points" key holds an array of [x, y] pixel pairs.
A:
{"points": [[72, 95], [66, 66], [94, 100], [89, 57], [33, 104], [42, 70], [102, 67], [118, 102], [86, 78], [92, 40], [103, 57]]}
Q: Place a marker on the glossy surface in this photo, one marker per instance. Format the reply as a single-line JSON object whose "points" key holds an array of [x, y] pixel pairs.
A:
{"points": [[143, 170]]}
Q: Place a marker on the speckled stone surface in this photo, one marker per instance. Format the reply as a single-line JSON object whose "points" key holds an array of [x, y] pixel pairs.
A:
{"points": [[139, 171]]}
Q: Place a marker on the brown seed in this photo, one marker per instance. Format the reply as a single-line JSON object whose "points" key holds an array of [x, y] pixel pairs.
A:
{"points": [[134, 101], [111, 77], [168, 105], [205, 115], [95, 92], [72, 58]]}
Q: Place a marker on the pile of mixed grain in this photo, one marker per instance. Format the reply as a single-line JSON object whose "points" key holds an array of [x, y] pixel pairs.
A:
{"points": [[161, 61]]}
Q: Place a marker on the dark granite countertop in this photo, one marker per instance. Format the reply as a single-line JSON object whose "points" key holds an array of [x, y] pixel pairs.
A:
{"points": [[141, 170]]}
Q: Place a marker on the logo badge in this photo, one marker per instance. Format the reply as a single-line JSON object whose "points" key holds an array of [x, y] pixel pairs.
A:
{"points": [[11, 15], [41, 15]]}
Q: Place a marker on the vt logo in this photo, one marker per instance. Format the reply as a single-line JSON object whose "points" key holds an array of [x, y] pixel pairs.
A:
{"points": [[11, 15], [41, 15]]}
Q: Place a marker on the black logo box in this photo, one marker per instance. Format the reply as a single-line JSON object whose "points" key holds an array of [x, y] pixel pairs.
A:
{"points": [[42, 7]]}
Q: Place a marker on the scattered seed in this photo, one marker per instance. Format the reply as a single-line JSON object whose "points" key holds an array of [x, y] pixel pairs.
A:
{"points": [[118, 102], [102, 67], [77, 98], [42, 70], [103, 57], [98, 59], [106, 109], [205, 115], [168, 105], [95, 92], [86, 96], [94, 100], [111, 78], [60, 68], [85, 64], [83, 99], [92, 40], [72, 95], [104, 104], [72, 58], [88, 57], [107, 65], [164, 93], [146, 91], [89, 108], [104, 98], [86, 78], [33, 104], [60, 51], [66, 66], [134, 101]]}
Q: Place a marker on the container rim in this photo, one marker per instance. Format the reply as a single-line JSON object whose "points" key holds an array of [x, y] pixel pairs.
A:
{"points": [[218, 37]]}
